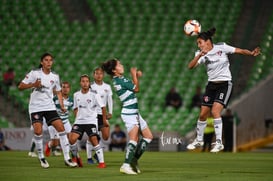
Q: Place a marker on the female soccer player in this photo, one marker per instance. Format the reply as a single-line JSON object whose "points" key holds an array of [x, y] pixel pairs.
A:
{"points": [[105, 92], [68, 105], [130, 115], [43, 81], [86, 104], [218, 89]]}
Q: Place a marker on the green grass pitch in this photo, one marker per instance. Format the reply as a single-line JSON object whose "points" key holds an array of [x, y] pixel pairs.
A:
{"points": [[155, 166]]}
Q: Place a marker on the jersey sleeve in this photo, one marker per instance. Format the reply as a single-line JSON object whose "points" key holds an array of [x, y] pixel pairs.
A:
{"points": [[99, 101], [58, 84], [74, 101], [30, 78], [110, 100], [228, 49]]}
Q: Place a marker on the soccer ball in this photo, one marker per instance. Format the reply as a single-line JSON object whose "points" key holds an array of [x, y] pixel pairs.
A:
{"points": [[192, 27]]}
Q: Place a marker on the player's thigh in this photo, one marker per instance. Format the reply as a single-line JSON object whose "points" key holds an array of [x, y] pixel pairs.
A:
{"points": [[131, 121], [73, 137], [145, 130], [58, 125], [217, 109], [204, 113]]}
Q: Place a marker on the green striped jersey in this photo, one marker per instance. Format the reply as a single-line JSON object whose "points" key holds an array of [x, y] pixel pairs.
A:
{"points": [[125, 90], [68, 104]]}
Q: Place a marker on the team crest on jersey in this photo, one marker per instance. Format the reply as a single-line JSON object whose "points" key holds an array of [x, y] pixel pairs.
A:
{"points": [[206, 98], [51, 81], [36, 116], [219, 53], [88, 100], [75, 127], [105, 90]]}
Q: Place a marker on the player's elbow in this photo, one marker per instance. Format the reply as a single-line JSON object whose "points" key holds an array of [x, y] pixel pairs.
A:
{"points": [[20, 86], [190, 66], [136, 90]]}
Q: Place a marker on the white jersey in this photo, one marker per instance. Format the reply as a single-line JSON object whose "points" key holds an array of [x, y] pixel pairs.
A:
{"points": [[105, 92], [217, 63], [41, 99], [87, 105]]}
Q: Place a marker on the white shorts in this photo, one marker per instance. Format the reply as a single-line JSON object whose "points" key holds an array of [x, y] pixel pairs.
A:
{"points": [[53, 133], [133, 120]]}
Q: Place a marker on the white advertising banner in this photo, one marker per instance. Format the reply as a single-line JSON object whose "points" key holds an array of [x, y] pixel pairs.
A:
{"points": [[18, 138]]}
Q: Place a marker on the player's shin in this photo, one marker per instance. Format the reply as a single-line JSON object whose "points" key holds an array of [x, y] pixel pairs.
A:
{"points": [[64, 144], [141, 147], [38, 139], [218, 126], [201, 125], [130, 152], [89, 148], [74, 149], [99, 152]]}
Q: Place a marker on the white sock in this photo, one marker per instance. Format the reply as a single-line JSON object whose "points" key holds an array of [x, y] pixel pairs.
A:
{"points": [[49, 144], [74, 149], [38, 139], [99, 152], [89, 148], [64, 144], [201, 125], [218, 127]]}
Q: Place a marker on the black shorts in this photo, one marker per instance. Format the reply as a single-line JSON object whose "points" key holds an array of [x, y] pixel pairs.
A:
{"points": [[49, 116], [217, 92], [90, 129], [100, 121]]}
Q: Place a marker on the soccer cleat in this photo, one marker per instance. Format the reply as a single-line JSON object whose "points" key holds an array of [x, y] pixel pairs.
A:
{"points": [[90, 161], [44, 163], [127, 169], [134, 166], [218, 147], [56, 153], [70, 163], [195, 144], [77, 160], [47, 150], [32, 154], [101, 165]]}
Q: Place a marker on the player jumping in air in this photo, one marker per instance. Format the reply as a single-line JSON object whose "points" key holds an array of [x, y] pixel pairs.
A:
{"points": [[126, 90]]}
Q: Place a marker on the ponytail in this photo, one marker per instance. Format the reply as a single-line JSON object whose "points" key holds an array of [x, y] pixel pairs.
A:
{"points": [[207, 35]]}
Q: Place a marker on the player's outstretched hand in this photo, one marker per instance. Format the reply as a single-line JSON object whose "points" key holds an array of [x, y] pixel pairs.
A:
{"points": [[256, 51]]}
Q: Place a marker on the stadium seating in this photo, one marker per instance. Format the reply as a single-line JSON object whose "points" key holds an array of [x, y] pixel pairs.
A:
{"points": [[145, 34], [263, 65]]}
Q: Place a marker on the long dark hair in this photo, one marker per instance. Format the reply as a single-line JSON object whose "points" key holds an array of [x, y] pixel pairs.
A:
{"points": [[43, 56], [109, 66], [207, 35]]}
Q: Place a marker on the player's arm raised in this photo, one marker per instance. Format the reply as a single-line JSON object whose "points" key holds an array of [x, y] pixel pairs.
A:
{"points": [[255, 52], [194, 62], [135, 74]]}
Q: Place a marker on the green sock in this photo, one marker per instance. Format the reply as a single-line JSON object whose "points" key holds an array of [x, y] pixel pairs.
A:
{"points": [[130, 152], [141, 147]]}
